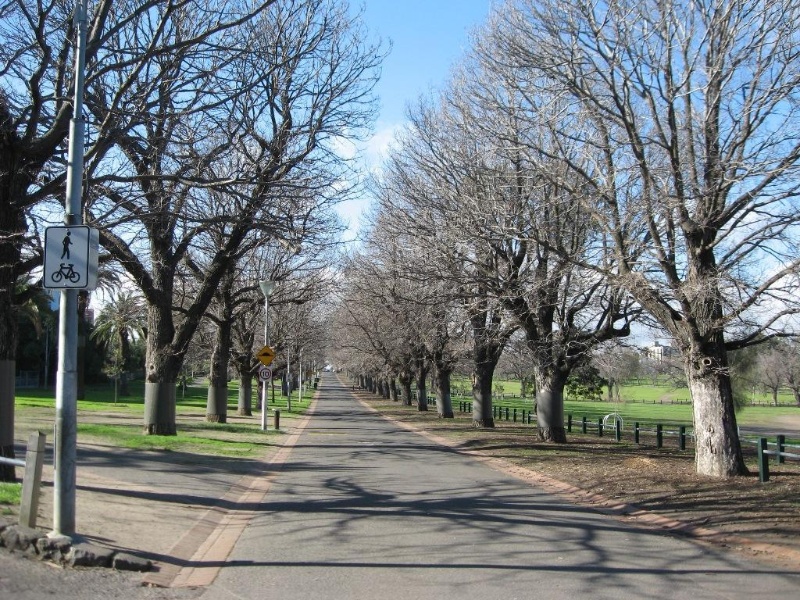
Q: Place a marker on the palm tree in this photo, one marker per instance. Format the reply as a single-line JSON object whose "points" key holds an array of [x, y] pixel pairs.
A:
{"points": [[123, 318]]}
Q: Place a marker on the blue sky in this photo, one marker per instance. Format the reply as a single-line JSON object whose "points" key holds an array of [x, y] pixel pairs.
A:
{"points": [[428, 37]]}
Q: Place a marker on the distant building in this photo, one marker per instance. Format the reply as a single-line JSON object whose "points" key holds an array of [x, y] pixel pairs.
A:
{"points": [[660, 353]]}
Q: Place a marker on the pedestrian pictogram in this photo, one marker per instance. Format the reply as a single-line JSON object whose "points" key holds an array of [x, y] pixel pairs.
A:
{"points": [[265, 356], [70, 257]]}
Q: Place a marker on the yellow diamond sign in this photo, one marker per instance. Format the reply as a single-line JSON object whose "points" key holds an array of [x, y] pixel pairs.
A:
{"points": [[266, 355]]}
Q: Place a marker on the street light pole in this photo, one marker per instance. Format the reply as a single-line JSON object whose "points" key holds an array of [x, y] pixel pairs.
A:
{"points": [[267, 287], [66, 427]]}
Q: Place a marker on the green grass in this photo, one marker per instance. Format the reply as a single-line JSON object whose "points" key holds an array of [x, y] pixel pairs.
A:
{"points": [[101, 420], [9, 496], [193, 439]]}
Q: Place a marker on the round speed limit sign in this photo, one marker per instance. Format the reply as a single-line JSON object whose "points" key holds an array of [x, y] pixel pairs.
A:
{"points": [[264, 374]]}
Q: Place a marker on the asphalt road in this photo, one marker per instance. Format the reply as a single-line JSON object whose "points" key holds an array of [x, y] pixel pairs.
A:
{"points": [[364, 509]]}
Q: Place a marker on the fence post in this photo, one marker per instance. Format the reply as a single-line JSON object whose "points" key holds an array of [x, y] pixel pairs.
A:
{"points": [[31, 480], [515, 415], [659, 436], [583, 424], [780, 446], [763, 460], [682, 437], [506, 413], [617, 430], [636, 432], [599, 426], [569, 423]]}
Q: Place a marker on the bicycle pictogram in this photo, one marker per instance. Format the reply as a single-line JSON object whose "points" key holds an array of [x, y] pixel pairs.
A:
{"points": [[66, 272]]}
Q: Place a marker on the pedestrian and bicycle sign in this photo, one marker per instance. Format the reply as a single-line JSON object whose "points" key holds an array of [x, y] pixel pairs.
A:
{"points": [[70, 257]]}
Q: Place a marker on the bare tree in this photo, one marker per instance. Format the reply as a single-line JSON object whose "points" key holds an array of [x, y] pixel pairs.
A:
{"points": [[251, 113], [771, 371], [678, 117], [616, 364]]}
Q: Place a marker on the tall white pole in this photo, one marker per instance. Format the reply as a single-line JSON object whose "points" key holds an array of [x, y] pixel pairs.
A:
{"points": [[266, 288], [300, 371], [66, 379], [288, 379]]}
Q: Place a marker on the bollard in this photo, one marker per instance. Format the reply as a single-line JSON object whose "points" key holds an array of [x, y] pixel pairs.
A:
{"points": [[636, 432], [569, 423], [31, 480], [277, 420], [780, 448], [659, 436], [682, 437], [763, 460]]}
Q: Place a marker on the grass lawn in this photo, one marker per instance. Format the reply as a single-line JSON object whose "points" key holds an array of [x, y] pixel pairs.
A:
{"points": [[102, 418], [9, 496]]}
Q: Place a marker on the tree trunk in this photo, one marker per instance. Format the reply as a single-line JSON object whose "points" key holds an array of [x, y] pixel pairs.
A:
{"points": [[393, 389], [482, 395], [717, 449], [159, 405], [217, 401], [245, 399], [441, 384], [550, 384], [163, 368], [7, 374], [405, 389], [124, 388], [11, 222], [422, 390]]}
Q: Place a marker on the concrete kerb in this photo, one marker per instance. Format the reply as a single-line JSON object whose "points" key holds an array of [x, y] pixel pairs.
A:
{"points": [[628, 513]]}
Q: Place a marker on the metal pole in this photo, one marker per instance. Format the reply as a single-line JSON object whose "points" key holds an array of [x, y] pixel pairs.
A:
{"points": [[288, 379], [67, 377], [300, 375], [264, 386]]}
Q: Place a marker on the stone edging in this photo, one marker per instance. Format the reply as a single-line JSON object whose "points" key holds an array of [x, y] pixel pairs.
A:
{"points": [[63, 550]]}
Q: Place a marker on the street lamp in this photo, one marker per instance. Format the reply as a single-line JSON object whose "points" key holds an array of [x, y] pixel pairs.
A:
{"points": [[267, 288]]}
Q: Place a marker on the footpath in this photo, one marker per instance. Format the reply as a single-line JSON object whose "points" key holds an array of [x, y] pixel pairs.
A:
{"points": [[354, 506]]}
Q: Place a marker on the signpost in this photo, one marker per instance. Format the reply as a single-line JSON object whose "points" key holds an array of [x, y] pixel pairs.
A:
{"points": [[61, 246], [265, 356]]}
